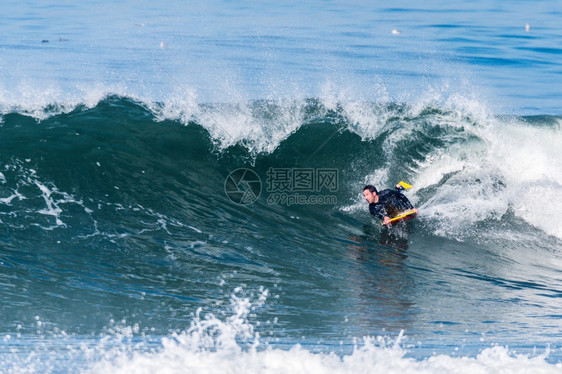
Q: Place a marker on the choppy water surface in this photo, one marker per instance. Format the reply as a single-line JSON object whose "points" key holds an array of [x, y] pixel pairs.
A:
{"points": [[180, 187]]}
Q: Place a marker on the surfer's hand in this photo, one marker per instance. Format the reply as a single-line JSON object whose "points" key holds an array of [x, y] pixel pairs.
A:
{"points": [[386, 221]]}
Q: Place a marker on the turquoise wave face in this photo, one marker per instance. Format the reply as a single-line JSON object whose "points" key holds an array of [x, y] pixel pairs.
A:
{"points": [[125, 212], [465, 168]]}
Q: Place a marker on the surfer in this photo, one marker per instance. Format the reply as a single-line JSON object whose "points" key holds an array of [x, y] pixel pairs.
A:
{"points": [[386, 204]]}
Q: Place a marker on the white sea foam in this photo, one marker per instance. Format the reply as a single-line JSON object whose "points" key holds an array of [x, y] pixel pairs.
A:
{"points": [[24, 199], [371, 357], [231, 344], [259, 126], [512, 166], [489, 167], [14, 195], [212, 345]]}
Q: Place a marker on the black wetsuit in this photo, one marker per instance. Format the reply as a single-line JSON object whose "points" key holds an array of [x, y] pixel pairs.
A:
{"points": [[391, 203]]}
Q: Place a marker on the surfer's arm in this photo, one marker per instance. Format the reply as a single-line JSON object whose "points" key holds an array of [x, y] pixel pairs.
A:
{"points": [[379, 212]]}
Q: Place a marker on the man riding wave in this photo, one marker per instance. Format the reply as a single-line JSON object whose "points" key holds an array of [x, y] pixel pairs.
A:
{"points": [[386, 204]]}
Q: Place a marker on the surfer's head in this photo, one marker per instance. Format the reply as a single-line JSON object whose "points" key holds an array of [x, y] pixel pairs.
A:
{"points": [[370, 193]]}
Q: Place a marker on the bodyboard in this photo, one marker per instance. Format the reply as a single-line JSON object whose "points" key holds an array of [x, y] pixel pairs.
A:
{"points": [[409, 214]]}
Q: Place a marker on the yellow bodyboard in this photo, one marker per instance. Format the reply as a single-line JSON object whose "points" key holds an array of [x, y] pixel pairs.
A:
{"points": [[406, 215]]}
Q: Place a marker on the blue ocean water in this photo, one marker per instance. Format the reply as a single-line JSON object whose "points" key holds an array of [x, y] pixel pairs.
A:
{"points": [[180, 186]]}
